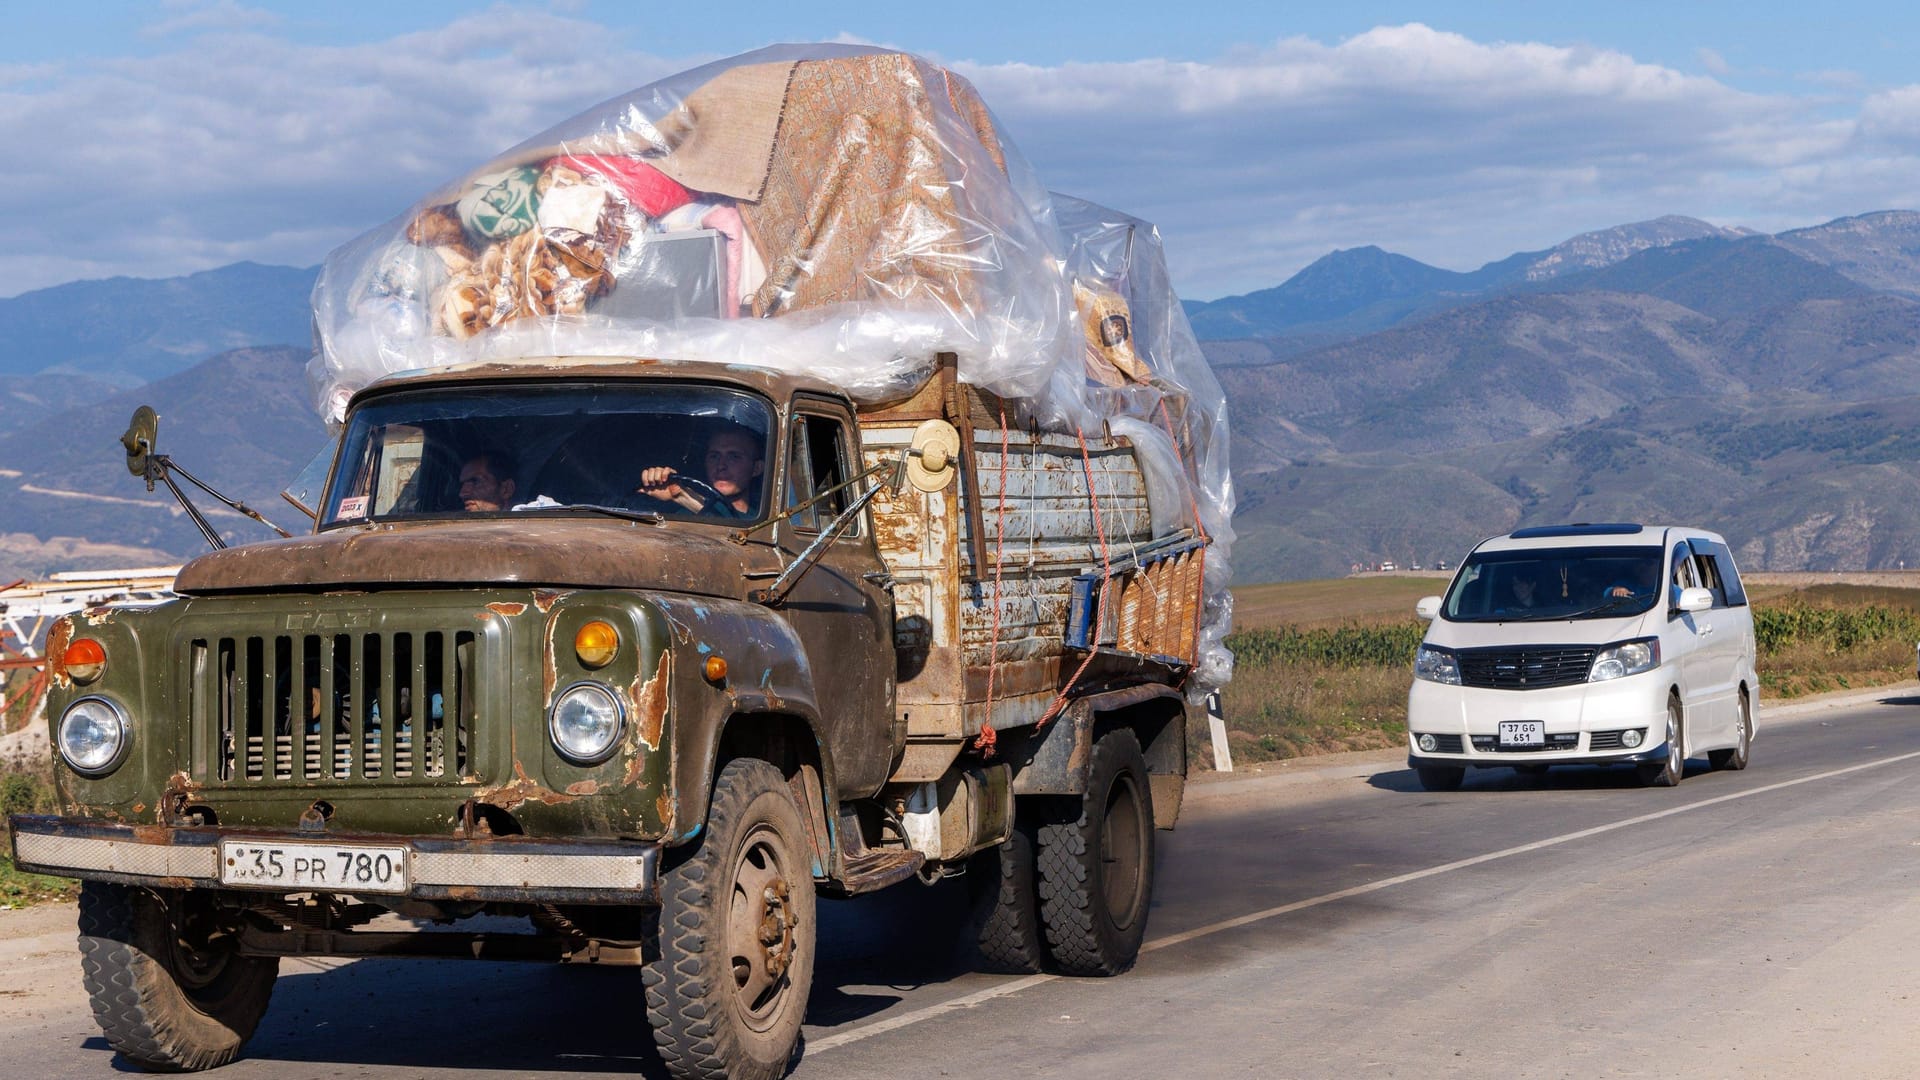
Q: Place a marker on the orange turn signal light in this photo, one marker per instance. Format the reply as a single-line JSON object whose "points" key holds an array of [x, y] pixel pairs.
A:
{"points": [[85, 660], [596, 644], [716, 670]]}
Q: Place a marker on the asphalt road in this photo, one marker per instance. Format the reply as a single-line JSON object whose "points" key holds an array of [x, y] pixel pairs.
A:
{"points": [[1333, 921]]}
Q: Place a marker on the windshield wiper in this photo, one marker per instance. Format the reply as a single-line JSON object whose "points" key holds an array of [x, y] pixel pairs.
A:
{"points": [[649, 517], [1605, 606]]}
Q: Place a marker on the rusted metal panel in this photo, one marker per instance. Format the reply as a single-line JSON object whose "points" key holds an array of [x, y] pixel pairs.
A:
{"points": [[1037, 513]]}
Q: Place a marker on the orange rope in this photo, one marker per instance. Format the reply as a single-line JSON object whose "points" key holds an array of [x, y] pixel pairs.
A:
{"points": [[1106, 579], [989, 738]]}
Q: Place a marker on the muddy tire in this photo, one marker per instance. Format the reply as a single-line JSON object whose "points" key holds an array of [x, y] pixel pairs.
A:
{"points": [[727, 986], [1096, 865], [1003, 932], [167, 985]]}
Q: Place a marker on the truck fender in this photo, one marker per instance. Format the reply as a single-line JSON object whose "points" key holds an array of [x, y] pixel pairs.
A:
{"points": [[767, 679], [1055, 761]]}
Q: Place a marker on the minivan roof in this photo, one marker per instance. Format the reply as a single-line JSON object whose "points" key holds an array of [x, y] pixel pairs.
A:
{"points": [[1613, 534]]}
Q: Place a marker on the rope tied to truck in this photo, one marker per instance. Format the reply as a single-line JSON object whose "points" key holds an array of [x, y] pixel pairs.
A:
{"points": [[986, 741], [988, 738]]}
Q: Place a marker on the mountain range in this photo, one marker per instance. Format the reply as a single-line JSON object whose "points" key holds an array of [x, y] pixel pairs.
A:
{"points": [[1765, 386]]}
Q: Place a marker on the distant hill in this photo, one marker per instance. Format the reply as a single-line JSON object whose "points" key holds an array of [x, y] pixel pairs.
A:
{"points": [[1724, 279], [239, 421], [1361, 290], [132, 330], [1880, 251]]}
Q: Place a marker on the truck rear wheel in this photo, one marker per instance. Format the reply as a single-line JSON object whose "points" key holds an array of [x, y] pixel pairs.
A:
{"points": [[728, 986], [1004, 931], [1096, 870], [164, 975]]}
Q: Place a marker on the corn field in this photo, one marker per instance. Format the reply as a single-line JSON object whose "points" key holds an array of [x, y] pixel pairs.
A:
{"points": [[1779, 628]]}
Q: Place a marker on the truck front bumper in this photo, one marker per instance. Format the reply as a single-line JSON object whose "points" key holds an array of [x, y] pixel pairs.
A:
{"points": [[511, 869]]}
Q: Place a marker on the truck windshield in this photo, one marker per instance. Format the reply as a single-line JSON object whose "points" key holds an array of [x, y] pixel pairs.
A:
{"points": [[1541, 584], [680, 451]]}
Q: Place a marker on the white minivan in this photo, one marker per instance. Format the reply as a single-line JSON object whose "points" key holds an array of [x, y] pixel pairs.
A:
{"points": [[1587, 644]]}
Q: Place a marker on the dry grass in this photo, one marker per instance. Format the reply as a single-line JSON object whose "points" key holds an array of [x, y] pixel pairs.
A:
{"points": [[27, 792], [1366, 600], [1808, 668], [1278, 711]]}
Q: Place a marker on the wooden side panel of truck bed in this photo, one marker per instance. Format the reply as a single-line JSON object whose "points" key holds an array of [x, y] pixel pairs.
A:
{"points": [[1038, 514]]}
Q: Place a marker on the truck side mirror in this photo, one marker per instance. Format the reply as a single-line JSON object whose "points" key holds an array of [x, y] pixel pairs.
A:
{"points": [[1428, 608], [1695, 599], [141, 433]]}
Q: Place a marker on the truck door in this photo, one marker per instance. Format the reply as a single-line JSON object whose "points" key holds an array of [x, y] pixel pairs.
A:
{"points": [[839, 608]]}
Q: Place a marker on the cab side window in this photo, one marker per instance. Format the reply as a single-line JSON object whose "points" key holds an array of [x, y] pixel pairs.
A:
{"points": [[1683, 573], [1717, 573], [1710, 579], [817, 461]]}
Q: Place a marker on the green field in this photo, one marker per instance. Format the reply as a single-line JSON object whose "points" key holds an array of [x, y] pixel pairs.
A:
{"points": [[1324, 666]]}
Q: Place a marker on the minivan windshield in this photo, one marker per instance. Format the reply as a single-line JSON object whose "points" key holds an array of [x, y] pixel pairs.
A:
{"points": [[643, 450], [1540, 584]]}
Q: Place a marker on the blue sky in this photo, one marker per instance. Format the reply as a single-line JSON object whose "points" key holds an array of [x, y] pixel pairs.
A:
{"points": [[159, 139]]}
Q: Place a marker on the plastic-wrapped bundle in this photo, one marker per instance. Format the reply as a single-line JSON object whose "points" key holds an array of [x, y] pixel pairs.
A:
{"points": [[836, 210]]}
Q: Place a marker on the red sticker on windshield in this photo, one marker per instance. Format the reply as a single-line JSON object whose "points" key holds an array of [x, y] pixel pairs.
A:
{"points": [[353, 506]]}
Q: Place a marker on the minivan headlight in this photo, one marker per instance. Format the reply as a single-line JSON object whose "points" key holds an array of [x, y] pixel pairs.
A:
{"points": [[1435, 664], [585, 723], [1626, 658], [92, 736]]}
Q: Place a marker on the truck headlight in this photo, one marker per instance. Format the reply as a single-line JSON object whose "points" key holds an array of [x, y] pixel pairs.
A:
{"points": [[585, 723], [1626, 658], [1436, 665], [93, 736]]}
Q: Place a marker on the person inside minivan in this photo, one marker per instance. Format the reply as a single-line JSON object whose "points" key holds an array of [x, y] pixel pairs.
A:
{"points": [[1639, 582], [1523, 592]]}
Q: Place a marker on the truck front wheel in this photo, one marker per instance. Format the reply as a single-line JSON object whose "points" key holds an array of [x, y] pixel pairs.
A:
{"points": [[728, 986], [168, 986], [1096, 867]]}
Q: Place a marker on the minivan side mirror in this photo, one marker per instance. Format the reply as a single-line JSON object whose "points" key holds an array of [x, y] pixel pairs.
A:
{"points": [[1428, 607], [1695, 599]]}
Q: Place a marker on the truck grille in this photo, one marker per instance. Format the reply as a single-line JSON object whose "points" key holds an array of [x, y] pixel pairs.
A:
{"points": [[339, 706], [1526, 669]]}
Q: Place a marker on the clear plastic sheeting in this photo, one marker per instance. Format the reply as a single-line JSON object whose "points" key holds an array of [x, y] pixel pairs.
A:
{"points": [[842, 211], [1142, 367]]}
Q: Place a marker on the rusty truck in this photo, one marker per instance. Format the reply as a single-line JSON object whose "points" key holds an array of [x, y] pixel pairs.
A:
{"points": [[649, 705]]}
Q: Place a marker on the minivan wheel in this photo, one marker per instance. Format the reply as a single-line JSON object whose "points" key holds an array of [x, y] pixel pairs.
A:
{"points": [[1441, 777], [1669, 772], [1734, 758]]}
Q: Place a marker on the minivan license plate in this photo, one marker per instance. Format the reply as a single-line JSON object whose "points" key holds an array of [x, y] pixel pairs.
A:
{"points": [[355, 868], [1523, 733]]}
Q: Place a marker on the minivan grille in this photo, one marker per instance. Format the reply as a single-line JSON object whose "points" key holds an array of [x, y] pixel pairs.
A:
{"points": [[1535, 668], [339, 706]]}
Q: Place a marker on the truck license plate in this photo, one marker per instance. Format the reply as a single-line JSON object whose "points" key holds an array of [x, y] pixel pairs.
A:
{"points": [[320, 867], [1523, 733]]}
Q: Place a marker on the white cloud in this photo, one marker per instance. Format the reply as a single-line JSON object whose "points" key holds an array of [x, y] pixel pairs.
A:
{"points": [[1715, 64], [188, 16], [235, 142]]}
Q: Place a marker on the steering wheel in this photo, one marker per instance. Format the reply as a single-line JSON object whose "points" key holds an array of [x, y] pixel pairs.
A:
{"points": [[716, 502]]}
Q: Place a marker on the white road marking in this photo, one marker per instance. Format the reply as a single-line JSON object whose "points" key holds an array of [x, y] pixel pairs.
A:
{"points": [[981, 997]]}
